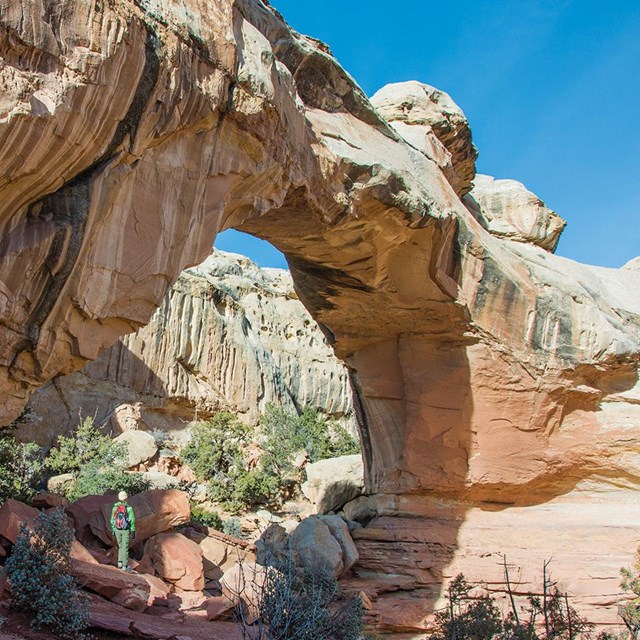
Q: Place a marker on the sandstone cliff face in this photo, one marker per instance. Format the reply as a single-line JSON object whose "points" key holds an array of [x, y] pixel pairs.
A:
{"points": [[487, 371], [228, 336]]}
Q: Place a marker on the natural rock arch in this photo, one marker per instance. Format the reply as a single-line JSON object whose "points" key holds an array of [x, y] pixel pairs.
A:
{"points": [[487, 371]]}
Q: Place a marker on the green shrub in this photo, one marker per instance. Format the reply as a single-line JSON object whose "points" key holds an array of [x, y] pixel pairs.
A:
{"points": [[21, 467], [294, 605], [232, 527], [206, 518], [630, 611], [38, 571], [86, 444], [99, 476], [98, 462], [468, 617], [256, 487], [216, 453], [285, 434]]}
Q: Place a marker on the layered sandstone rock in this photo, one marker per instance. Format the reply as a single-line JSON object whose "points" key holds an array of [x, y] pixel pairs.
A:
{"points": [[509, 210], [228, 336], [486, 371], [433, 123], [128, 590]]}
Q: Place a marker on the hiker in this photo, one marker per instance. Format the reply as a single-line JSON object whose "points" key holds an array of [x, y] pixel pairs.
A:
{"points": [[123, 525]]}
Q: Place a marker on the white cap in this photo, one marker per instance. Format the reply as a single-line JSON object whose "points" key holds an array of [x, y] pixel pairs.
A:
{"points": [[122, 496]]}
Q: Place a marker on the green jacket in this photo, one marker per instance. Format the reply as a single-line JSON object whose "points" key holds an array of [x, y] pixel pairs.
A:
{"points": [[130, 515]]}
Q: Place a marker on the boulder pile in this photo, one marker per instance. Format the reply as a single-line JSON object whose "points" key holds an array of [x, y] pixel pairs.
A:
{"points": [[186, 579]]}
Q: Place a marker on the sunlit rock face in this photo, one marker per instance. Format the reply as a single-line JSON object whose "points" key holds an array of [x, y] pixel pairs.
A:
{"points": [[487, 371], [229, 336], [434, 124], [509, 210]]}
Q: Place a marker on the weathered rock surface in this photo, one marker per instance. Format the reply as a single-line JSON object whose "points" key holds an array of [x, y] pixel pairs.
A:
{"points": [[110, 617], [159, 480], [221, 552], [82, 512], [177, 560], [127, 589], [46, 500], [339, 530], [157, 510], [243, 584], [507, 209], [13, 514], [220, 607], [58, 484], [434, 124], [333, 482], [316, 548], [486, 372], [272, 546], [141, 446], [361, 510], [424, 541], [228, 336]]}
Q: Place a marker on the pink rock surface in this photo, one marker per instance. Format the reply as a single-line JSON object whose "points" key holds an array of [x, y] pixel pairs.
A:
{"points": [[177, 560], [219, 607], [111, 617], [127, 589], [242, 584], [14, 513], [156, 511]]}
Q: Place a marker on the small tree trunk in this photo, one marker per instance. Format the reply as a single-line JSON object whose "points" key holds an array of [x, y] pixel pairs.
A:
{"points": [[545, 609], [570, 627], [510, 591], [454, 634]]}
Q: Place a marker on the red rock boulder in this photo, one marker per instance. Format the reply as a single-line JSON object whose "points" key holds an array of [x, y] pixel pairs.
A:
{"points": [[221, 551], [156, 511], [219, 608], [46, 500], [14, 513], [127, 589], [81, 511], [177, 560], [243, 584]]}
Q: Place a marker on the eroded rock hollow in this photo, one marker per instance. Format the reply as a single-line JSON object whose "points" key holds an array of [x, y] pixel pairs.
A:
{"points": [[496, 384]]}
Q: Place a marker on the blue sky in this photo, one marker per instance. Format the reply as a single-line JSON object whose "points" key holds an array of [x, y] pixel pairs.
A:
{"points": [[551, 89]]}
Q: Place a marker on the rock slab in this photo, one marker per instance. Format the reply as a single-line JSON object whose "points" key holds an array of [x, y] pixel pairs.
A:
{"points": [[333, 482], [177, 560]]}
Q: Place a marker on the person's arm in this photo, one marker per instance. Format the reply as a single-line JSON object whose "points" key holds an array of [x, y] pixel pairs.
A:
{"points": [[112, 520], [132, 518]]}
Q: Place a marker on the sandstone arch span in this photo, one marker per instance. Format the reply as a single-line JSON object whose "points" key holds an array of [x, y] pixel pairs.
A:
{"points": [[489, 373]]}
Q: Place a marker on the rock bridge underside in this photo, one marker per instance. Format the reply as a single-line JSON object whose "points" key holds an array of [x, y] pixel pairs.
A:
{"points": [[496, 384]]}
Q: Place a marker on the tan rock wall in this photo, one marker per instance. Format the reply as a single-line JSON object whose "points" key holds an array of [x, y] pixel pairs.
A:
{"points": [[229, 336]]}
